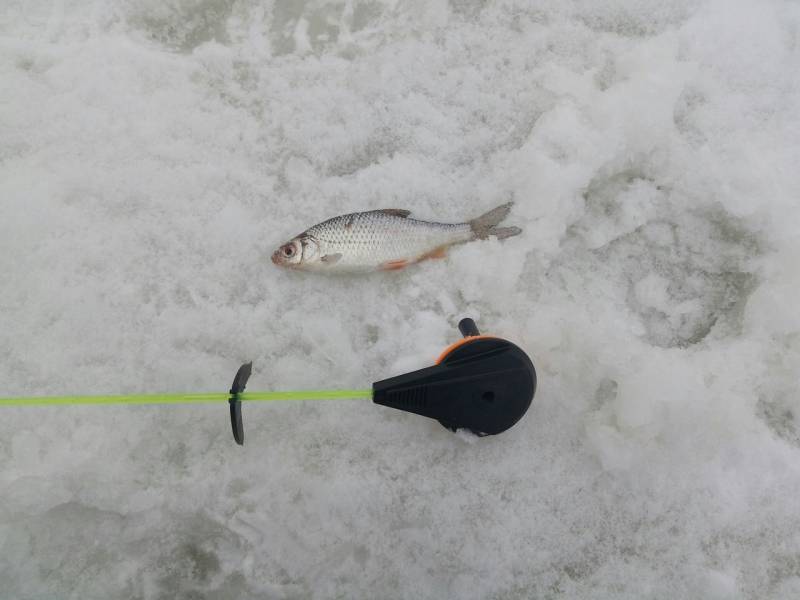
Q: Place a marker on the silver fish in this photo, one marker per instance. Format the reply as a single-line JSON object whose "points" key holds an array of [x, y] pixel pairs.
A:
{"points": [[383, 240]]}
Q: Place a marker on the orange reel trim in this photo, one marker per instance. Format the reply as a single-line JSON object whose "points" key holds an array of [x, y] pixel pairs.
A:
{"points": [[461, 342]]}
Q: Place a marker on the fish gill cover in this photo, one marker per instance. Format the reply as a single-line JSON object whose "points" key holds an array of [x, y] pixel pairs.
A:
{"points": [[154, 153]]}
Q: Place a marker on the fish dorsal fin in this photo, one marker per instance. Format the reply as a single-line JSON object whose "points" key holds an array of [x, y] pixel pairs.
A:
{"points": [[395, 212]]}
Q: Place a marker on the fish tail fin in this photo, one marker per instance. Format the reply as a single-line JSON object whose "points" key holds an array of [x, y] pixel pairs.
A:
{"points": [[487, 224], [502, 233]]}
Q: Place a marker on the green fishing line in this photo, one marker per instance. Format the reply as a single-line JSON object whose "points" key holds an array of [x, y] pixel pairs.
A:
{"points": [[185, 398]]}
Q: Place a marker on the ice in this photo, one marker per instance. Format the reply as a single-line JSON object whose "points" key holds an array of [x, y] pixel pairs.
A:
{"points": [[154, 153]]}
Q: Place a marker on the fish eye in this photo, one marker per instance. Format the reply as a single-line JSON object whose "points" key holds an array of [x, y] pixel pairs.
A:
{"points": [[288, 251]]}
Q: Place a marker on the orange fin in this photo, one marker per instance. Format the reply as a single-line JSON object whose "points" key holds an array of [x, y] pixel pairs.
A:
{"points": [[394, 265], [440, 252]]}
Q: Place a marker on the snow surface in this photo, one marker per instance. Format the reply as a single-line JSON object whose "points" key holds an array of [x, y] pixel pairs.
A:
{"points": [[153, 154]]}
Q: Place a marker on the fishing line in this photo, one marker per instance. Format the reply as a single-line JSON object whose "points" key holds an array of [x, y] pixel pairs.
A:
{"points": [[185, 398]]}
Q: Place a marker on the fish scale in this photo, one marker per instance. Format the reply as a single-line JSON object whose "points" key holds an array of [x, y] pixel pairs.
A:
{"points": [[366, 238]]}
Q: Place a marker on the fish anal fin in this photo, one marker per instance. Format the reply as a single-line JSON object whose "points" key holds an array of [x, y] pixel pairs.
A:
{"points": [[394, 265], [395, 212], [440, 252]]}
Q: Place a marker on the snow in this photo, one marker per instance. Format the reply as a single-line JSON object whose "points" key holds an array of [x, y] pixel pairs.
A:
{"points": [[152, 156]]}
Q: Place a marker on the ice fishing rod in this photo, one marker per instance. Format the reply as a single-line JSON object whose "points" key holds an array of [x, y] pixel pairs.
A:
{"points": [[481, 383]]}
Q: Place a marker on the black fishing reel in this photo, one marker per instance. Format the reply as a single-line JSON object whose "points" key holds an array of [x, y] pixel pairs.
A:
{"points": [[481, 383]]}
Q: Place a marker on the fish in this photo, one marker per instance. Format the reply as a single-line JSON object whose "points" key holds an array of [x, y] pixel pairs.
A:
{"points": [[383, 240]]}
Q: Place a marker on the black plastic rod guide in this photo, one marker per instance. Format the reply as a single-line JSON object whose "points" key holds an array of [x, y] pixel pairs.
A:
{"points": [[237, 387]]}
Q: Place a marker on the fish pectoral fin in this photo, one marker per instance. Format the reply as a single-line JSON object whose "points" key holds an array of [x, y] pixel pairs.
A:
{"points": [[394, 265], [440, 252], [395, 212], [330, 259]]}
